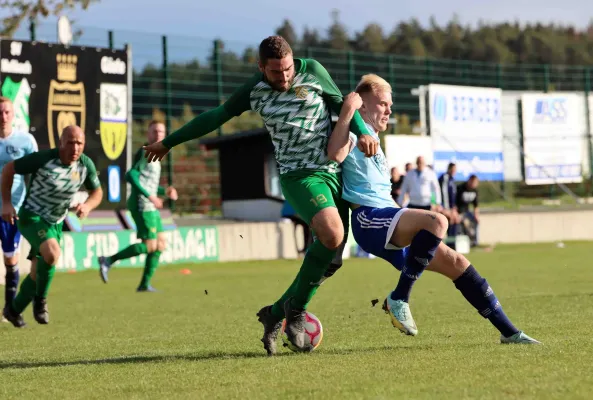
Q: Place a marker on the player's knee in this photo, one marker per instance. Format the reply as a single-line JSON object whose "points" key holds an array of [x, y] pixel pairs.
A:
{"points": [[439, 225], [161, 244], [333, 238], [51, 254], [151, 245], [11, 261], [328, 228]]}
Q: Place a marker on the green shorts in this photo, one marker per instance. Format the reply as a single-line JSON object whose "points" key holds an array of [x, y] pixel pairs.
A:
{"points": [[148, 224], [37, 230], [309, 192]]}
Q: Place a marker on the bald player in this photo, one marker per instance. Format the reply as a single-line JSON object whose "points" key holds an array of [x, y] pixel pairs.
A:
{"points": [[56, 176]]}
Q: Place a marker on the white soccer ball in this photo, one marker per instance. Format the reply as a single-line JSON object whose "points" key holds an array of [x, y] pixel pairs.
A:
{"points": [[313, 332]]}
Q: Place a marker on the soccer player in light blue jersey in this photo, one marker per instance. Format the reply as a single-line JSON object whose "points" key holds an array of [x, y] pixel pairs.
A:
{"points": [[13, 145], [409, 239]]}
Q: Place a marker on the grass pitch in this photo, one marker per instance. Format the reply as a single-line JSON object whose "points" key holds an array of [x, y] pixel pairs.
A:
{"points": [[107, 341]]}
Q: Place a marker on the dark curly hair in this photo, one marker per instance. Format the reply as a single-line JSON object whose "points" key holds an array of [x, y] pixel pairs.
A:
{"points": [[273, 47]]}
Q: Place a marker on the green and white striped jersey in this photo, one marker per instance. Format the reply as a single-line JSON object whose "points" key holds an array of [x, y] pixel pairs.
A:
{"points": [[53, 184], [298, 120], [144, 178]]}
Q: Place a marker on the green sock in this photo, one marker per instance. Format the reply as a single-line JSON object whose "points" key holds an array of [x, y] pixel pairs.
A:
{"points": [[45, 274], [132, 250], [278, 307], [25, 295], [307, 281], [152, 261]]}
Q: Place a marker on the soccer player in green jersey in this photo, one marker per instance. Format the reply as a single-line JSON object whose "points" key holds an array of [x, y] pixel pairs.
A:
{"points": [[295, 98], [144, 204], [56, 176]]}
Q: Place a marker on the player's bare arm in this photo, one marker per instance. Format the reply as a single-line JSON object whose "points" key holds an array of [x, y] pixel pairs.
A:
{"points": [[171, 193], [8, 211], [339, 143]]}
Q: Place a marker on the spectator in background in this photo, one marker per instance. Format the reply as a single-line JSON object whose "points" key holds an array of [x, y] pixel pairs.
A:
{"points": [[467, 194], [408, 167], [396, 183], [420, 184], [449, 196]]}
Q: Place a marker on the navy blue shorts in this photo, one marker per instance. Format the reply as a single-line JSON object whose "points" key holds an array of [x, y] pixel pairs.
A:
{"points": [[373, 228], [10, 237]]}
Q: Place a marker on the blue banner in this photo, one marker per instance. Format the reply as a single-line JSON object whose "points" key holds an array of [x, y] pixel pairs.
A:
{"points": [[486, 166]]}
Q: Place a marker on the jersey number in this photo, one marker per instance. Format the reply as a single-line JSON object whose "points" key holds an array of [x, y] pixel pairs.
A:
{"points": [[318, 200]]}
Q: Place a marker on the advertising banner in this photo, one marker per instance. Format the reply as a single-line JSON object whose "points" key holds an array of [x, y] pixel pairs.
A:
{"points": [[552, 138], [184, 245], [53, 86], [465, 126]]}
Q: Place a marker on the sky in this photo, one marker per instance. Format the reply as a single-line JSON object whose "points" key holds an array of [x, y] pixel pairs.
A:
{"points": [[250, 20], [195, 23]]}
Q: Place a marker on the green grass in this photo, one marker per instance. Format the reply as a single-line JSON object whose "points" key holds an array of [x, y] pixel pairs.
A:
{"points": [[106, 341]]}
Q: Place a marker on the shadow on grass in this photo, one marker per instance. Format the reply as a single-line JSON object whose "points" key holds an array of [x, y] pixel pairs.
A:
{"points": [[203, 357]]}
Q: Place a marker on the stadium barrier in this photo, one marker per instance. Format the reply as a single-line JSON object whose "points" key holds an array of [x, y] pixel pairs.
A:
{"points": [[225, 241], [536, 226]]}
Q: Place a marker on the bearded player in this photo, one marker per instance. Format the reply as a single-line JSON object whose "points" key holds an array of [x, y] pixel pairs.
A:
{"points": [[411, 240], [294, 97]]}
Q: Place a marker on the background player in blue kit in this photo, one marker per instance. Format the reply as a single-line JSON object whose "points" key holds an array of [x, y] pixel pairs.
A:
{"points": [[13, 145], [409, 239]]}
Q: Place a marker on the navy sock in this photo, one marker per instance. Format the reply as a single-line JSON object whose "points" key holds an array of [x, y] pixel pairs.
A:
{"points": [[12, 283], [420, 254], [479, 294]]}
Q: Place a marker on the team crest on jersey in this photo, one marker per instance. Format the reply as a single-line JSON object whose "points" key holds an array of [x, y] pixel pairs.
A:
{"points": [[301, 92], [381, 162], [13, 151], [75, 175]]}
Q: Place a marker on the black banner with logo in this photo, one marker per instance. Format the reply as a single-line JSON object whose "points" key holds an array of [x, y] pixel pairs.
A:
{"points": [[53, 86]]}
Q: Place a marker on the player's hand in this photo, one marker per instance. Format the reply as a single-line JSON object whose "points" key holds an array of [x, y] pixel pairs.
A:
{"points": [[171, 193], [82, 210], [158, 203], [455, 216], [352, 101], [368, 145], [9, 213], [155, 151]]}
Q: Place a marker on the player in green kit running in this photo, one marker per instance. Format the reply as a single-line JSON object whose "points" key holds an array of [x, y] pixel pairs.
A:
{"points": [[56, 176], [295, 98], [144, 204]]}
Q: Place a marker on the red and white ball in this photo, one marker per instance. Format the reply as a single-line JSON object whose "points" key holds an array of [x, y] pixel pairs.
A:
{"points": [[313, 332]]}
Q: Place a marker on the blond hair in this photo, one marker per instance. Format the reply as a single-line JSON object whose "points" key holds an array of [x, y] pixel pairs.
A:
{"points": [[372, 83]]}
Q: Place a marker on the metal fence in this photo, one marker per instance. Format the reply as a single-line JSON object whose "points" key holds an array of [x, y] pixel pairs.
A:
{"points": [[176, 78]]}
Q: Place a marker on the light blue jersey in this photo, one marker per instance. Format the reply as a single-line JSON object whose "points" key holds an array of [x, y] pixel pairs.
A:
{"points": [[15, 146], [366, 180]]}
